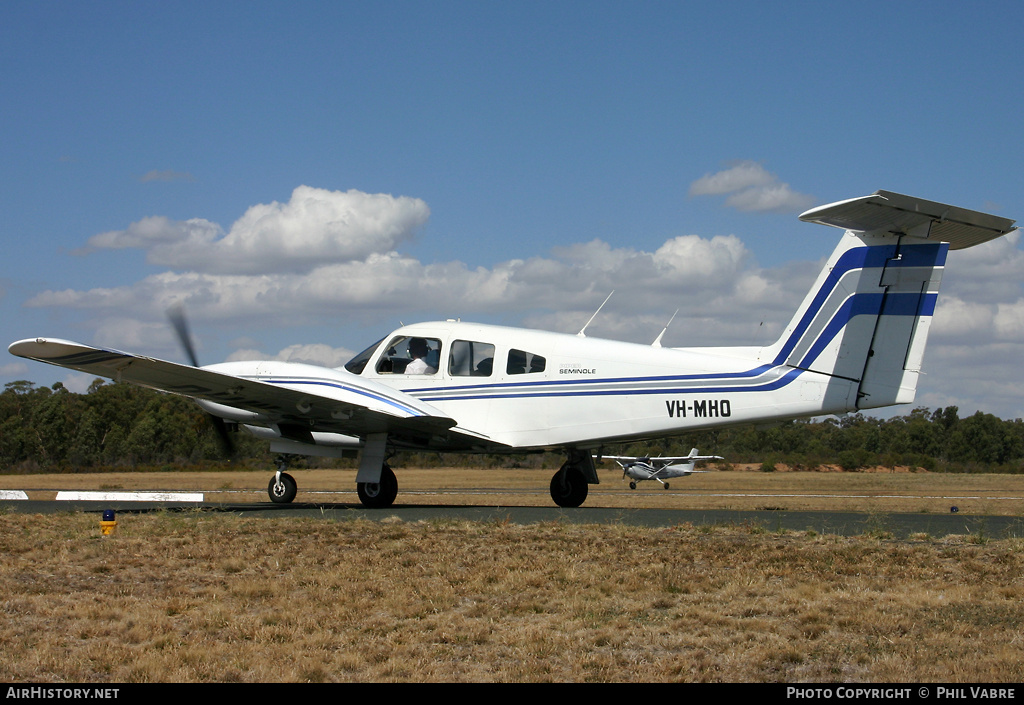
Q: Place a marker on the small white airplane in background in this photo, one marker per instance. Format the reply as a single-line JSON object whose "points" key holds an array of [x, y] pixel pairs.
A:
{"points": [[856, 342], [660, 469]]}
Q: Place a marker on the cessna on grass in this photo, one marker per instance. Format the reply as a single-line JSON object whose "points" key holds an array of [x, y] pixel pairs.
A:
{"points": [[856, 342], [660, 469]]}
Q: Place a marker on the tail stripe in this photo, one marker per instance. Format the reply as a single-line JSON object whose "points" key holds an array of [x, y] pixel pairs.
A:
{"points": [[842, 310], [869, 305]]}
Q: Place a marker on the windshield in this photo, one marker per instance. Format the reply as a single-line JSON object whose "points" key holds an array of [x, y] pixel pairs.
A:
{"points": [[357, 363]]}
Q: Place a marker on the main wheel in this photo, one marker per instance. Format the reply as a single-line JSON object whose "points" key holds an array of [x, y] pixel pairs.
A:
{"points": [[284, 491], [376, 495], [568, 487]]}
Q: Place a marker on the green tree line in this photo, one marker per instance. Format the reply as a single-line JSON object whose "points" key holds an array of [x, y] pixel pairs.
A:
{"points": [[113, 426], [50, 429]]}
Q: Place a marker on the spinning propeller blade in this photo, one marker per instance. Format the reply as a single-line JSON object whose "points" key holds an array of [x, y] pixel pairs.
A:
{"points": [[180, 323]]}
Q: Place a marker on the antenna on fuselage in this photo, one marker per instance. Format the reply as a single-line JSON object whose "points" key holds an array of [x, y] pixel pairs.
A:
{"points": [[657, 341], [581, 333]]}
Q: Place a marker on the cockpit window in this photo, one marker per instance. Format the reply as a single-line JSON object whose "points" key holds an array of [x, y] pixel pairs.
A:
{"points": [[469, 359], [410, 355], [358, 363], [521, 362]]}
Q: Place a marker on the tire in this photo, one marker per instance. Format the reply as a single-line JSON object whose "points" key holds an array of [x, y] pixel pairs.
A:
{"points": [[569, 488], [377, 495], [285, 492]]}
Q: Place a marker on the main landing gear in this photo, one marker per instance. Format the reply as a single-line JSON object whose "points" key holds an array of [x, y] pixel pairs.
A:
{"points": [[571, 484], [632, 485], [376, 495]]}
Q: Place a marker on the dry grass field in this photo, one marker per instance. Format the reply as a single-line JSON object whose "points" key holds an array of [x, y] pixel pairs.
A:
{"points": [[200, 597]]}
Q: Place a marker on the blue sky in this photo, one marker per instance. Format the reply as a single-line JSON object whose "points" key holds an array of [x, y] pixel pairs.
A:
{"points": [[304, 176]]}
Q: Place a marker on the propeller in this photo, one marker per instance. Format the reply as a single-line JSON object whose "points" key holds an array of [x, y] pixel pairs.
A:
{"points": [[180, 323], [176, 314]]}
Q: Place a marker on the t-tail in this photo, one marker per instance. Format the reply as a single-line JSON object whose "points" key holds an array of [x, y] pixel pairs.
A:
{"points": [[865, 322]]}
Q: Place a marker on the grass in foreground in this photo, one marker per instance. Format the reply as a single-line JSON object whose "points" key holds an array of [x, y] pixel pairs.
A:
{"points": [[198, 596]]}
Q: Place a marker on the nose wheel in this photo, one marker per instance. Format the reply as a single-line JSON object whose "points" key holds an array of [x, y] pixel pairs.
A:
{"points": [[282, 488]]}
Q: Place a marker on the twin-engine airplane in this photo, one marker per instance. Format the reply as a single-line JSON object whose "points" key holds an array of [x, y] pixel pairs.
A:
{"points": [[856, 342], [660, 469]]}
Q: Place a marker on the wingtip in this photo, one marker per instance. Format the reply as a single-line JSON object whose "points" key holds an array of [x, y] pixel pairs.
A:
{"points": [[29, 346]]}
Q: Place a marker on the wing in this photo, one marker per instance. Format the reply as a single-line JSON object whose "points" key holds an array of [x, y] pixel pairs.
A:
{"points": [[687, 459], [666, 460], [296, 398]]}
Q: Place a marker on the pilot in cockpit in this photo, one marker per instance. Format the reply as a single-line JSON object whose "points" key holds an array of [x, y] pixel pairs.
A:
{"points": [[418, 353]]}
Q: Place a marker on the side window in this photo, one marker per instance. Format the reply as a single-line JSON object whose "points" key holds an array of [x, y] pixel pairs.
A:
{"points": [[469, 359], [521, 363], [410, 355]]}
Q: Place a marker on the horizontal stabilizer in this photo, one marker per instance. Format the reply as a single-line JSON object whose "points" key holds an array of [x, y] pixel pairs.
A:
{"points": [[894, 213]]}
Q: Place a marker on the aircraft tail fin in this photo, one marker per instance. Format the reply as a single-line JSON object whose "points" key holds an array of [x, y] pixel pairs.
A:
{"points": [[865, 322]]}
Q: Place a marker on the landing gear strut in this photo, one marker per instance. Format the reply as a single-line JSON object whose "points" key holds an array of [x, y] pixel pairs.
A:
{"points": [[282, 487], [375, 482]]}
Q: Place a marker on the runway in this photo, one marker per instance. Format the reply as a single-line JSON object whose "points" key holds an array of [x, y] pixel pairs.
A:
{"points": [[888, 525]]}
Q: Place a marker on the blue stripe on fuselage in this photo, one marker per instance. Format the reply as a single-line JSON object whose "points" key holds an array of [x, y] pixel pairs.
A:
{"points": [[627, 391], [344, 387]]}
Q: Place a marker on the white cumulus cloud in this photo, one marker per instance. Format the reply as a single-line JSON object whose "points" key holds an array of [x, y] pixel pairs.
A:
{"points": [[311, 354], [752, 188], [314, 227]]}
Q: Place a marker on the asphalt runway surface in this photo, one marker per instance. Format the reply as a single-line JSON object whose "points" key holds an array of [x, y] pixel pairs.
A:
{"points": [[899, 526]]}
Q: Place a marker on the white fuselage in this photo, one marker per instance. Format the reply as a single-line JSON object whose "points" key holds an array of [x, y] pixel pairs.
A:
{"points": [[584, 391]]}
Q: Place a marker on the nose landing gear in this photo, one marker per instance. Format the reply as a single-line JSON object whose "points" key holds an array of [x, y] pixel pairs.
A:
{"points": [[282, 488]]}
